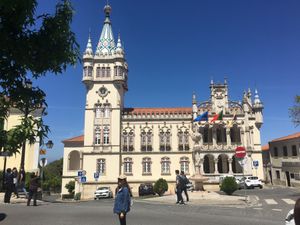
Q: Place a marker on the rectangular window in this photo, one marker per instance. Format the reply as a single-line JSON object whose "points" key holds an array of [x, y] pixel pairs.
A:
{"points": [[101, 166], [102, 73], [107, 72], [275, 152], [146, 167], [294, 150], [278, 174], [292, 176], [98, 71], [285, 151]]}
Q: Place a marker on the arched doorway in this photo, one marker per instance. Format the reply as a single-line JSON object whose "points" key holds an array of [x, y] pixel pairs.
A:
{"points": [[208, 164], [223, 165]]}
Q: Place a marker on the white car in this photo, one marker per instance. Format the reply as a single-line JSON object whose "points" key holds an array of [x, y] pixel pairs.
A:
{"points": [[250, 182], [103, 192], [289, 220]]}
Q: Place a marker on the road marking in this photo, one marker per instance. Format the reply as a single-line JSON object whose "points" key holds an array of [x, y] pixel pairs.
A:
{"points": [[278, 210], [288, 201], [258, 208], [271, 201]]}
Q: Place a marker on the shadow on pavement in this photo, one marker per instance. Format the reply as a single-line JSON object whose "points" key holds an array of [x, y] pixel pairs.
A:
{"points": [[2, 216]]}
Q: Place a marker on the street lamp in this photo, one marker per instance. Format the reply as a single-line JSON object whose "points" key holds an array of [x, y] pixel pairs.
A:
{"points": [[49, 144], [43, 163]]}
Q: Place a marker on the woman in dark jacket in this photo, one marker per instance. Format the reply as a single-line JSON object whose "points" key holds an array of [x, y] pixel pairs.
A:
{"points": [[122, 200], [33, 187]]}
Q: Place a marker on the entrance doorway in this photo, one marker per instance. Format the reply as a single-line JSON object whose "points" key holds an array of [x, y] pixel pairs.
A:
{"points": [[288, 179]]}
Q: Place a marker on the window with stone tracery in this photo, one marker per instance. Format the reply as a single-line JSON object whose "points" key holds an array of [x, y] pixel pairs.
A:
{"points": [[98, 72], [207, 135], [98, 112], [102, 72], [183, 140], [106, 135], [107, 71], [118, 70], [128, 165], [165, 140], [97, 135], [184, 164], [235, 134], [88, 71], [165, 165], [221, 135], [146, 165], [146, 140], [128, 140], [100, 167]]}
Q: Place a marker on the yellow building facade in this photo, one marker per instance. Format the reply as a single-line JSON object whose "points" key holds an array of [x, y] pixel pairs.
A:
{"points": [[146, 144]]}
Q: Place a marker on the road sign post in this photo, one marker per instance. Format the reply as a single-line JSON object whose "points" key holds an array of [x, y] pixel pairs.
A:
{"points": [[240, 153]]}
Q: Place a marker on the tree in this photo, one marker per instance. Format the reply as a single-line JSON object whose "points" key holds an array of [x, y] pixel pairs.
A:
{"points": [[295, 111], [229, 185], [52, 175], [70, 186], [31, 45]]}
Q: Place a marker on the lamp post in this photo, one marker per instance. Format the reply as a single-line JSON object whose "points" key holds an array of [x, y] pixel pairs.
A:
{"points": [[43, 163]]}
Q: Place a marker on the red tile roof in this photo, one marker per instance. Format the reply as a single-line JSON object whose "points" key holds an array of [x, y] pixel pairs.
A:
{"points": [[292, 136], [74, 139], [182, 110], [265, 147]]}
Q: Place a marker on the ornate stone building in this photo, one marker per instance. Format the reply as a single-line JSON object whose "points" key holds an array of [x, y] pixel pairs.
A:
{"points": [[148, 143]]}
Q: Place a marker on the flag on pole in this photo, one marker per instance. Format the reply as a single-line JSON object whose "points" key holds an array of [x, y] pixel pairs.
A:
{"points": [[202, 117], [230, 122], [217, 117]]}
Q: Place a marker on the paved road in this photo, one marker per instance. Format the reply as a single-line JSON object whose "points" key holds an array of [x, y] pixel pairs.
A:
{"points": [[100, 213]]}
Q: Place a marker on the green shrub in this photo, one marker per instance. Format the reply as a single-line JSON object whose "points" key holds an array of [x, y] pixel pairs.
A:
{"points": [[68, 196], [160, 186], [70, 186], [229, 185]]}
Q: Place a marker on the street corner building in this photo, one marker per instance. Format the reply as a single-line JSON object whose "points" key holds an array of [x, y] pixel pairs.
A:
{"points": [[146, 144]]}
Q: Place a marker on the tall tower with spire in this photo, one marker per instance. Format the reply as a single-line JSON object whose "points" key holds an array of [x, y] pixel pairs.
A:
{"points": [[105, 78]]}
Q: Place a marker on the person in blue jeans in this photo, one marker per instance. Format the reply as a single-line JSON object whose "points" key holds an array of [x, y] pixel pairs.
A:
{"points": [[122, 200]]}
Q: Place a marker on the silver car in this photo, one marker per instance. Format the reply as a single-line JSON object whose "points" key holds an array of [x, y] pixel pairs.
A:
{"points": [[103, 192]]}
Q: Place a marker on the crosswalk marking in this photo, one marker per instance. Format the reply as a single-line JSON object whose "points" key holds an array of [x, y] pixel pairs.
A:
{"points": [[288, 201], [271, 201], [278, 210]]}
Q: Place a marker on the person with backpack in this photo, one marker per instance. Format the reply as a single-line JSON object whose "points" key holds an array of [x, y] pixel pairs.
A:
{"points": [[179, 188], [185, 182]]}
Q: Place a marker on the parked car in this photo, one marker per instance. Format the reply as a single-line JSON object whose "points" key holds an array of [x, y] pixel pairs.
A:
{"points": [[250, 182], [146, 189], [289, 220], [103, 192]]}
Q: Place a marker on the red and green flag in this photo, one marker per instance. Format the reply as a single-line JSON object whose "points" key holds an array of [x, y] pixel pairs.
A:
{"points": [[219, 116]]}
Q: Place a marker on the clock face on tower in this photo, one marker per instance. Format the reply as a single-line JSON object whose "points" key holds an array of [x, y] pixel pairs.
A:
{"points": [[103, 91]]}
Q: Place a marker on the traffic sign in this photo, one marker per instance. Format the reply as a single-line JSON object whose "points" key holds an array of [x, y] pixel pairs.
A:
{"points": [[240, 152], [83, 179], [79, 173], [96, 175], [255, 163], [43, 162]]}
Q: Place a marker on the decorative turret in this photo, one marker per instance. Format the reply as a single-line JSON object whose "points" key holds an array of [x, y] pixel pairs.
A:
{"points": [[194, 108], [106, 44], [119, 49], [88, 53], [257, 108]]}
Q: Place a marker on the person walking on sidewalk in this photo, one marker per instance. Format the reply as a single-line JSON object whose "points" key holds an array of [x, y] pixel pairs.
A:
{"points": [[33, 187], [179, 185], [9, 185], [122, 200], [184, 186], [16, 175], [22, 176]]}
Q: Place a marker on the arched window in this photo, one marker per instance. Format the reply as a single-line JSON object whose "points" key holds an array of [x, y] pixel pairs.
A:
{"points": [[208, 164], [106, 111], [97, 136], [165, 140], [101, 167], [221, 135], [74, 160], [106, 135], [98, 110], [128, 165], [146, 140], [207, 135], [235, 134], [184, 164], [165, 166], [223, 165], [183, 140], [146, 165], [128, 140]]}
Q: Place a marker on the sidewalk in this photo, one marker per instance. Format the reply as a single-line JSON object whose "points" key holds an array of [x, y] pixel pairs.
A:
{"points": [[202, 198]]}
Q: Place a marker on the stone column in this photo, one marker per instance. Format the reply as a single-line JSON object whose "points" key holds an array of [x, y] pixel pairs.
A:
{"points": [[230, 165], [201, 166], [216, 166], [214, 136], [228, 136]]}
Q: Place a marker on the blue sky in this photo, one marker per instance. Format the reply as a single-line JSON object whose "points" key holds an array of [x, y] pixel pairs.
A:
{"points": [[175, 47]]}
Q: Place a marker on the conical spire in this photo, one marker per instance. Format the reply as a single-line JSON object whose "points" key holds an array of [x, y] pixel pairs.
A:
{"points": [[119, 48], [89, 48], [106, 44], [256, 97]]}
